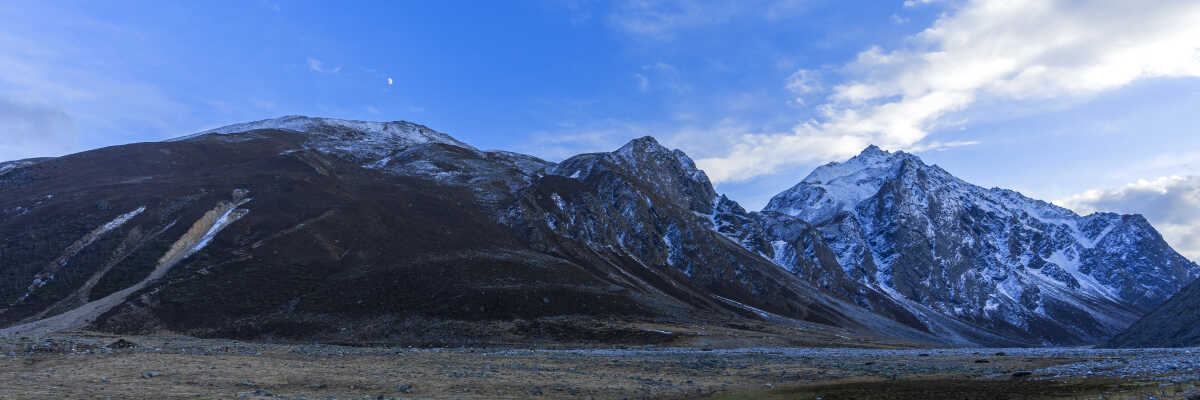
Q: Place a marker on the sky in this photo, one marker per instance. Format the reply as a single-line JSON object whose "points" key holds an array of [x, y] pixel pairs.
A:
{"points": [[1090, 105]]}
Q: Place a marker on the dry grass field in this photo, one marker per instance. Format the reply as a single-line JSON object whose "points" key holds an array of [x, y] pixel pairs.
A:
{"points": [[89, 366]]}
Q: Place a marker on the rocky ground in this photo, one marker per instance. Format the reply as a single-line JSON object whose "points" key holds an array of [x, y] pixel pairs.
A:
{"points": [[86, 365]]}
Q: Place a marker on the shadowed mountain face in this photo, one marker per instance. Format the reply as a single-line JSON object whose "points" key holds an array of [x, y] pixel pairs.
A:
{"points": [[317, 229], [1176, 323]]}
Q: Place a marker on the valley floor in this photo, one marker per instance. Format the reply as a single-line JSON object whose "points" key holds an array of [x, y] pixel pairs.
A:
{"points": [[90, 366]]}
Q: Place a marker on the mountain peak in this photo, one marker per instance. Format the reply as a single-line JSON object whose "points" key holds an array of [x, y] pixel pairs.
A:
{"points": [[644, 144], [839, 186], [871, 161], [873, 150], [344, 131], [875, 153]]}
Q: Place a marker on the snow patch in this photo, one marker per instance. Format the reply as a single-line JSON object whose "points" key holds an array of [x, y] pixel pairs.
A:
{"points": [[1087, 283], [43, 278]]}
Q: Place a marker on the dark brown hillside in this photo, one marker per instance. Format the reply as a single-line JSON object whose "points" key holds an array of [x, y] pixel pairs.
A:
{"points": [[321, 238]]}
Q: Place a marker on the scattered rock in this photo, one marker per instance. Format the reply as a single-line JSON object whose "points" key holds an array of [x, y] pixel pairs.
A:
{"points": [[1022, 374], [1001, 354], [404, 388], [122, 344], [150, 374], [982, 361]]}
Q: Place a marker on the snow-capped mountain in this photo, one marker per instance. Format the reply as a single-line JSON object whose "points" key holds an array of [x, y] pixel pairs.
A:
{"points": [[299, 227], [991, 258]]}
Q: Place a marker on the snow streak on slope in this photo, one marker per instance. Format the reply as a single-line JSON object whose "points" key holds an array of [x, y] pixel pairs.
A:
{"points": [[200, 234], [44, 277]]}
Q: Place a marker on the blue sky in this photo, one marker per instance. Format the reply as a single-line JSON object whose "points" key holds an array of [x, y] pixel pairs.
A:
{"points": [[1089, 105]]}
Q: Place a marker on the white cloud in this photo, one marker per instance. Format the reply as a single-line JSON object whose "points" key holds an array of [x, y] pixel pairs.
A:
{"points": [[1171, 204], [1004, 51], [317, 66], [803, 82], [389, 81]]}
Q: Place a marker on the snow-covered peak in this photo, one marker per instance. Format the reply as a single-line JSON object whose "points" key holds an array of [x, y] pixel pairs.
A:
{"points": [[839, 186], [644, 144], [872, 161], [395, 133], [366, 143]]}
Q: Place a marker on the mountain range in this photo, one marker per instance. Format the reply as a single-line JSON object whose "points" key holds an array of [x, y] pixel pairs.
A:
{"points": [[316, 229]]}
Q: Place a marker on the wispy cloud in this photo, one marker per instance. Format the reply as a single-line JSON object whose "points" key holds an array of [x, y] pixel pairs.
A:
{"points": [[1171, 204], [316, 65], [981, 50], [914, 3], [663, 19], [569, 139], [55, 99], [663, 76], [35, 130]]}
